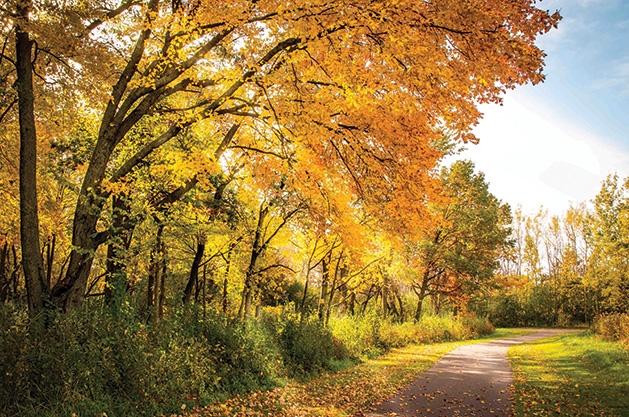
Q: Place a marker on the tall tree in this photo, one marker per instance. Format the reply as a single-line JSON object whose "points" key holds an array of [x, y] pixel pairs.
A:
{"points": [[32, 262], [461, 251], [609, 264], [349, 95]]}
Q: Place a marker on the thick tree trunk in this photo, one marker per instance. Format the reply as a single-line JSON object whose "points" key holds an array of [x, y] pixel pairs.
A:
{"points": [[32, 262], [69, 292]]}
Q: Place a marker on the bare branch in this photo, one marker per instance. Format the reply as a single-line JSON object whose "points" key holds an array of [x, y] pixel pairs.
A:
{"points": [[8, 109]]}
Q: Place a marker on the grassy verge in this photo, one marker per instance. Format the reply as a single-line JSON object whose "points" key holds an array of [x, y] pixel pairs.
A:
{"points": [[578, 375], [346, 392]]}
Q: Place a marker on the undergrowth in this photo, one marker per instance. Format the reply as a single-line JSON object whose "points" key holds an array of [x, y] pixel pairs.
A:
{"points": [[613, 327], [95, 361]]}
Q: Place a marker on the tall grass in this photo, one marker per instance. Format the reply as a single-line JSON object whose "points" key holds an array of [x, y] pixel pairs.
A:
{"points": [[93, 361], [614, 327], [369, 335]]}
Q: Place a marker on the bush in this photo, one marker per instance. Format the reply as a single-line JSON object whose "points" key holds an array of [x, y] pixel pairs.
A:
{"points": [[360, 335], [614, 327], [369, 335], [95, 361], [308, 347], [90, 362]]}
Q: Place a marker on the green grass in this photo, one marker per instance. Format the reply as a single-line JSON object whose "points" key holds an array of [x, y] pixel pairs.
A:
{"points": [[576, 375], [343, 393]]}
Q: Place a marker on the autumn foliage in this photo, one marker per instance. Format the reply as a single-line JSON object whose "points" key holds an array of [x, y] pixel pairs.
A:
{"points": [[186, 160]]}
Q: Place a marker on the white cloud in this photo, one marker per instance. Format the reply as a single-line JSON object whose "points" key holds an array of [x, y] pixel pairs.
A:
{"points": [[532, 158]]}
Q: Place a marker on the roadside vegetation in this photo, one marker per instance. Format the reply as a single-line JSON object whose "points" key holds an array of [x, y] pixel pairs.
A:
{"points": [[100, 363], [577, 375], [347, 392]]}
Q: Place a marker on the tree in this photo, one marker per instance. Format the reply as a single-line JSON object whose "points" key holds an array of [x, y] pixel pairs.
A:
{"points": [[461, 250], [608, 267], [347, 94], [32, 262]]}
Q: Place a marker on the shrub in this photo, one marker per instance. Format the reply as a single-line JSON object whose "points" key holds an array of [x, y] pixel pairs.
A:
{"points": [[90, 362], [360, 335], [97, 361], [369, 335], [614, 327], [308, 347]]}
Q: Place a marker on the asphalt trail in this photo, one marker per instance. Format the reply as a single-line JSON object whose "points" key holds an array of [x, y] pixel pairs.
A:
{"points": [[472, 380]]}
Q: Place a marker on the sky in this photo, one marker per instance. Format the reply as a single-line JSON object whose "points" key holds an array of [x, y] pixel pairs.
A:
{"points": [[552, 144]]}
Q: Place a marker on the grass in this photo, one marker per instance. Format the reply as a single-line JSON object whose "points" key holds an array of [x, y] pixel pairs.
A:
{"points": [[346, 392], [577, 375]]}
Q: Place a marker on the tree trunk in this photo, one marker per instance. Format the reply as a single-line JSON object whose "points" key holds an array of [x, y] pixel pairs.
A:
{"points": [[225, 301], [337, 274], [401, 304], [119, 242], [161, 296], [32, 262], [5, 284], [420, 297], [193, 279], [155, 284], [302, 307], [257, 248], [352, 303], [50, 257], [323, 294], [204, 294], [383, 293], [367, 298]]}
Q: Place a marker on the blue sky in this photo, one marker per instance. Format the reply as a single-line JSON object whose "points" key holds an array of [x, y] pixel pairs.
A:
{"points": [[553, 143]]}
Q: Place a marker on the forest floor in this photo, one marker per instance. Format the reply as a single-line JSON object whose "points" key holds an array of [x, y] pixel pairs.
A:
{"points": [[472, 380]]}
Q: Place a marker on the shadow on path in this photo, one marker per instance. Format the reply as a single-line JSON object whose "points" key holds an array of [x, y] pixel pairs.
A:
{"points": [[472, 380]]}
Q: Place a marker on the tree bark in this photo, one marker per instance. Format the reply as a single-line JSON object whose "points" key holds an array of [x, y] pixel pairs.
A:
{"points": [[225, 301], [420, 297], [194, 271], [32, 262], [256, 250], [323, 293], [122, 233], [155, 286]]}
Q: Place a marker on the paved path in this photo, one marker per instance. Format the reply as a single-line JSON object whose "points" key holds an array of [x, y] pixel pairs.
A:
{"points": [[472, 380]]}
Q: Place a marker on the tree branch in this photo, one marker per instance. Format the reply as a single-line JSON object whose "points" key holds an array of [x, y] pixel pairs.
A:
{"points": [[124, 6], [259, 271]]}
